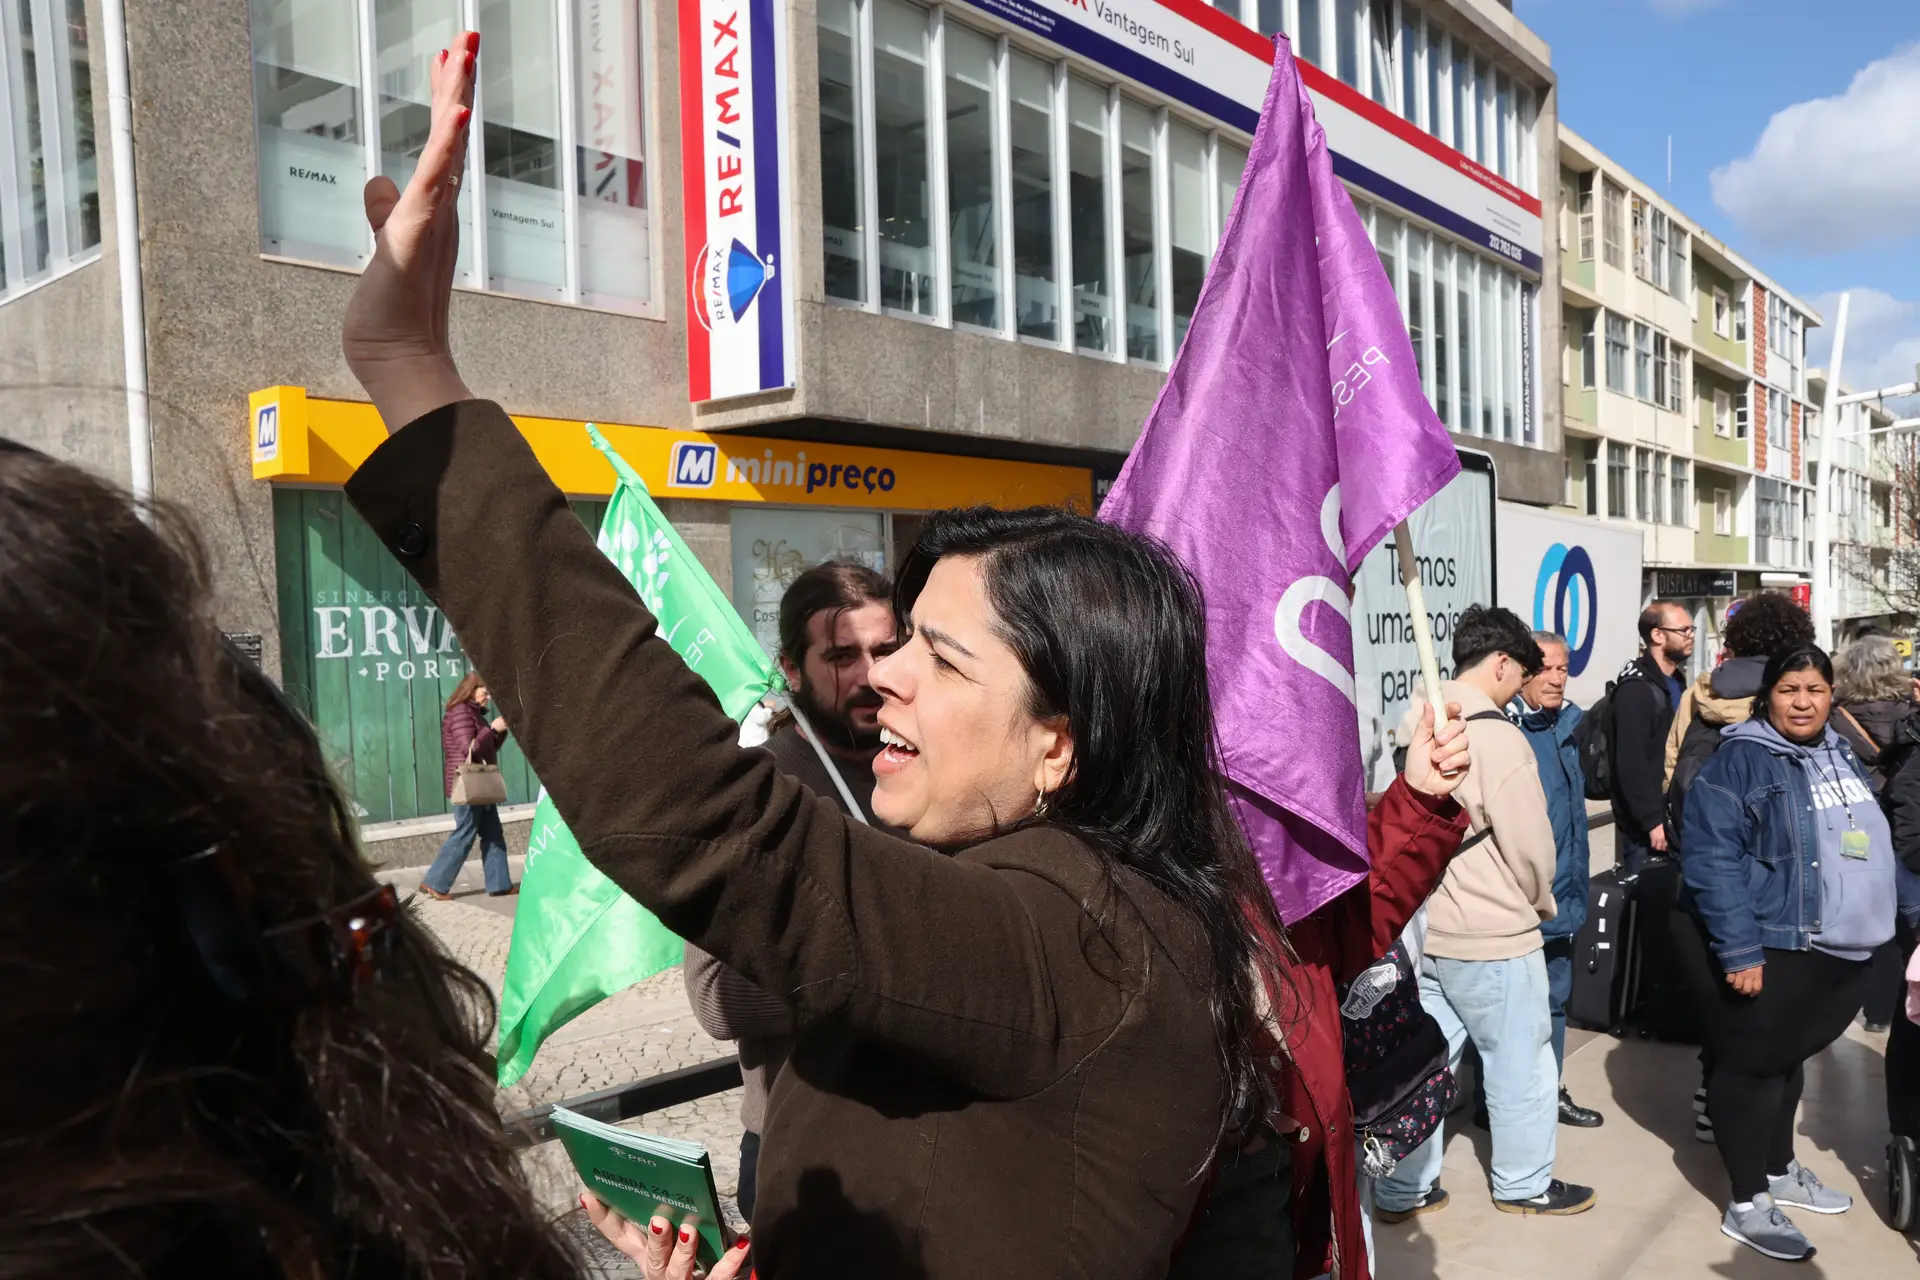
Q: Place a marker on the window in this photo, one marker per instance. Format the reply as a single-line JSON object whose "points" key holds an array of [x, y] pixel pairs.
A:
{"points": [[1093, 327], [1348, 19], [1722, 413], [1640, 241], [1192, 235], [1139, 217], [1662, 253], [1036, 293], [1463, 264], [562, 192], [1413, 99], [1740, 320], [1489, 343], [1657, 512], [1586, 217], [1660, 369], [904, 159], [1417, 298], [1312, 42], [1677, 494], [1380, 81], [1593, 479], [1642, 361], [1483, 121], [1510, 404], [1613, 217], [1589, 340], [1742, 414], [49, 179], [1443, 329], [1677, 267], [1722, 313], [1436, 92], [1617, 481], [1617, 353], [1643, 487], [1722, 513], [1504, 122], [842, 152], [1676, 401], [973, 196], [1465, 99]]}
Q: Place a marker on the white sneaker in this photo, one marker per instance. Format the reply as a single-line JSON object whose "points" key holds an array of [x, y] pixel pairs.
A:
{"points": [[1801, 1188], [1764, 1229]]}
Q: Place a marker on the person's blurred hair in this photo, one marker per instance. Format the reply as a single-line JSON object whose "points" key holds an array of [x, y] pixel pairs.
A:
{"points": [[1871, 670], [208, 1081], [1768, 623]]}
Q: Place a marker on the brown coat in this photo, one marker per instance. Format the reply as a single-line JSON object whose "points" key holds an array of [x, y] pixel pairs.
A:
{"points": [[989, 1080]]}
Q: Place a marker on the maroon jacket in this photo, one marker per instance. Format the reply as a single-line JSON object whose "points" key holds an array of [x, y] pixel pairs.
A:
{"points": [[1410, 840], [466, 725]]}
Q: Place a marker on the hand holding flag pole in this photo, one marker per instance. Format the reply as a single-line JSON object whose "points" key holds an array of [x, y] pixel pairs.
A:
{"points": [[1422, 625]]}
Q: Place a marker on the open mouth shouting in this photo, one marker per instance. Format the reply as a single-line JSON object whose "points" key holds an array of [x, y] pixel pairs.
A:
{"points": [[896, 752]]}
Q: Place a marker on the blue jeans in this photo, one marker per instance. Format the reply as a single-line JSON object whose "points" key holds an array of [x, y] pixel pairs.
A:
{"points": [[471, 821], [1559, 956], [1502, 1005]]}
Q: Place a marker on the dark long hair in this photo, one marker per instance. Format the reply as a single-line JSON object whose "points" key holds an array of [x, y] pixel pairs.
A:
{"points": [[161, 1126], [1807, 657], [463, 692], [1111, 632]]}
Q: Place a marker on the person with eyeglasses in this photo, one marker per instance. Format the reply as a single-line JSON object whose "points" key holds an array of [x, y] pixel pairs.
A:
{"points": [[1483, 975], [1644, 698]]}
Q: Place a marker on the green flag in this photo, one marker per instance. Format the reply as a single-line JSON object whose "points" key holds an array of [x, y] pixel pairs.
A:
{"points": [[577, 938]]}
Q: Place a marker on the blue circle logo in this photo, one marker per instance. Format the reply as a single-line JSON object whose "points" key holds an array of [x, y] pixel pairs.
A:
{"points": [[1566, 579]]}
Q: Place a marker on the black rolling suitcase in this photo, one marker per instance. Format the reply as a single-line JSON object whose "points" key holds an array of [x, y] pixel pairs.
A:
{"points": [[1662, 1002], [1603, 957]]}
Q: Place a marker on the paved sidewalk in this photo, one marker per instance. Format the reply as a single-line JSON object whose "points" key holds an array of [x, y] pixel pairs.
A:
{"points": [[643, 1031]]}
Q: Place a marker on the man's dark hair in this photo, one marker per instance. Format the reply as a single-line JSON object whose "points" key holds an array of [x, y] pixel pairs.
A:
{"points": [[1482, 632], [1654, 618], [1768, 623], [838, 585]]}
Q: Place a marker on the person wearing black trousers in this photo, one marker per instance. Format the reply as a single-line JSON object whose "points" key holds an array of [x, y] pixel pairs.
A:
{"points": [[1790, 874]]}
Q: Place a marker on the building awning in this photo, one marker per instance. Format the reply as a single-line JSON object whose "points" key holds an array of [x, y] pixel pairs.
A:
{"points": [[301, 440]]}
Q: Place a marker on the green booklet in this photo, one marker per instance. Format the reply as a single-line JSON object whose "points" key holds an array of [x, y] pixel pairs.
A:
{"points": [[641, 1175]]}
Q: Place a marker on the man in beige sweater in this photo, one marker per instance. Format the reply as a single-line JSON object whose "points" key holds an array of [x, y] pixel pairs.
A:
{"points": [[1484, 973]]}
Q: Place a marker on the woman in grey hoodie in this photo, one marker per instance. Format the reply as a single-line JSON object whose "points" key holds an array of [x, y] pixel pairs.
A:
{"points": [[1791, 876]]}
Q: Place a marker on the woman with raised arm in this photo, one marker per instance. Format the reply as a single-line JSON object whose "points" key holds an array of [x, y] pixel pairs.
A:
{"points": [[1018, 1049]]}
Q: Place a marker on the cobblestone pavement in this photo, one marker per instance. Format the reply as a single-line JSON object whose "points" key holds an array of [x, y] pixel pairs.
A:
{"points": [[642, 1031]]}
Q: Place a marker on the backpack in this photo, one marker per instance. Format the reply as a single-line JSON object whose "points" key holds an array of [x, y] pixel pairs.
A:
{"points": [[1697, 746], [1400, 753], [1596, 738], [1396, 1060]]}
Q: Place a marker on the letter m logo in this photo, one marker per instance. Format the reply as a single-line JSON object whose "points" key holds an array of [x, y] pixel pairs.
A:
{"points": [[692, 465], [266, 433]]}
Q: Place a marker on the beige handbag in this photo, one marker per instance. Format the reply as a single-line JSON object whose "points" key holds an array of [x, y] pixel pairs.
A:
{"points": [[478, 783]]}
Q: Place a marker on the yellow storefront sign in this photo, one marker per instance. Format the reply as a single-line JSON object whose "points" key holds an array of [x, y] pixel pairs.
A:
{"points": [[310, 441]]}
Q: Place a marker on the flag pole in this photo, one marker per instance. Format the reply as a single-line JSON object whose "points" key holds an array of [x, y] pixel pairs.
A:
{"points": [[839, 783], [1422, 628]]}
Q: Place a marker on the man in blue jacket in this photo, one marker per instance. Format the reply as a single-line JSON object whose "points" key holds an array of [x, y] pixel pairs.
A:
{"points": [[1549, 721]]}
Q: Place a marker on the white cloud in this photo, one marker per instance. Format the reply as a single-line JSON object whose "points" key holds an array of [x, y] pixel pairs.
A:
{"points": [[1883, 338], [1833, 174]]}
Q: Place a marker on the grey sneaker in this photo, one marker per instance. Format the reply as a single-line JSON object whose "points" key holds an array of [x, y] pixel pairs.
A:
{"points": [[1764, 1229], [1802, 1189]]}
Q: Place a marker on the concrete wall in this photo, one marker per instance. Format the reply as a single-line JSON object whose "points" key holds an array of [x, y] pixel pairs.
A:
{"points": [[62, 388]]}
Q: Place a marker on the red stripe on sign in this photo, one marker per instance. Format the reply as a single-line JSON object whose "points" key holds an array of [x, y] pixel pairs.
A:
{"points": [[1407, 131], [693, 203], [1244, 37]]}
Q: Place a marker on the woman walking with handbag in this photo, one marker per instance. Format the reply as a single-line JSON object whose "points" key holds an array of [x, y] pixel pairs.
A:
{"points": [[477, 791]]}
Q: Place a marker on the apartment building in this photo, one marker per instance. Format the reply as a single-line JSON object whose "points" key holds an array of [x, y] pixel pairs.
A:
{"points": [[977, 234], [1685, 392], [1870, 496]]}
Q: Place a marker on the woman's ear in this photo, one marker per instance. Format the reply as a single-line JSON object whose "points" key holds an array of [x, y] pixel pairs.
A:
{"points": [[1056, 755]]}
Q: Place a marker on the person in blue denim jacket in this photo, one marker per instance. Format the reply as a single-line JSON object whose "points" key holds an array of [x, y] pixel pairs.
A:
{"points": [[1791, 883]]}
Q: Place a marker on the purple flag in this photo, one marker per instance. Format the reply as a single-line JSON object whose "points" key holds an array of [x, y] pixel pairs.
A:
{"points": [[1292, 435]]}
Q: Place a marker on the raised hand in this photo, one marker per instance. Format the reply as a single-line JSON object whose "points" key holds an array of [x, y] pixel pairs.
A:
{"points": [[395, 333]]}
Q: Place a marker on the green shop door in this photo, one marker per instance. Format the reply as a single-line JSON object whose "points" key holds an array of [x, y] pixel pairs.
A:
{"points": [[370, 659]]}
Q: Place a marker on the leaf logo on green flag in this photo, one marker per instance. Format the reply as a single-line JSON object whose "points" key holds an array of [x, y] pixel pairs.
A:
{"points": [[577, 938]]}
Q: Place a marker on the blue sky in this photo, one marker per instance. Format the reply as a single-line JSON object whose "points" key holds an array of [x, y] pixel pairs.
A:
{"points": [[1796, 139]]}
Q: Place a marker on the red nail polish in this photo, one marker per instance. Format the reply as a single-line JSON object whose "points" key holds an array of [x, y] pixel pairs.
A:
{"points": [[741, 1243], [686, 1234], [658, 1229]]}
